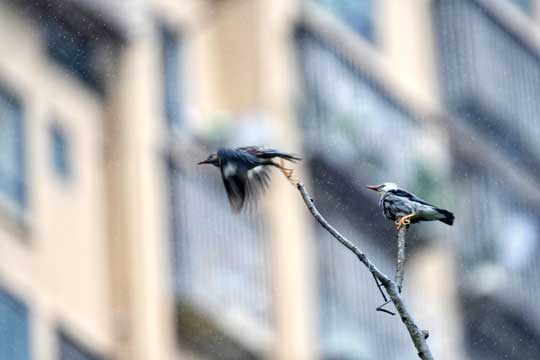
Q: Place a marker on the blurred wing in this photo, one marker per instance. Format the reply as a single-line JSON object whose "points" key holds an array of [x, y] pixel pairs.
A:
{"points": [[258, 180], [236, 188], [244, 186]]}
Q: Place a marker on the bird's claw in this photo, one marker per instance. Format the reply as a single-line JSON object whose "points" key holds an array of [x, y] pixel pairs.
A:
{"points": [[404, 221], [288, 174], [291, 179]]}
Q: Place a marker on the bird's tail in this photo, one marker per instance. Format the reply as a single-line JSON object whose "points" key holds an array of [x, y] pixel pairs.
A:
{"points": [[448, 217], [286, 156]]}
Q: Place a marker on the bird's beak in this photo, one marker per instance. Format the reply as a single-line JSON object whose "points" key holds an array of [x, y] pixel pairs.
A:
{"points": [[372, 187], [203, 162]]}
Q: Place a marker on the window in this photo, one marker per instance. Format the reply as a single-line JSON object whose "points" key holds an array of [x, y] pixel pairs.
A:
{"points": [[357, 14], [14, 332], [59, 152], [74, 51], [70, 349], [12, 185], [171, 51]]}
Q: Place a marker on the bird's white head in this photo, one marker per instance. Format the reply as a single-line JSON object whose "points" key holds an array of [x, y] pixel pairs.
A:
{"points": [[384, 187]]}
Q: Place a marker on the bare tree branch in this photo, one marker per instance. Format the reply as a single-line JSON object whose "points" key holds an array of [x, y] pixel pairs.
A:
{"points": [[417, 335], [400, 263]]}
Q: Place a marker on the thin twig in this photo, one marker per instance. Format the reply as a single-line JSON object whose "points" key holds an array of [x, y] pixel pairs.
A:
{"points": [[400, 264], [417, 335]]}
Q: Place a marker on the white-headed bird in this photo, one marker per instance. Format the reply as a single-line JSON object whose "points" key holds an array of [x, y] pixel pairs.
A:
{"points": [[246, 171], [405, 208]]}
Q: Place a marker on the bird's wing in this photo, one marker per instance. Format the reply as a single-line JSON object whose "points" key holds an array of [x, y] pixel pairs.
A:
{"points": [[242, 181], [395, 206], [244, 159], [264, 152], [411, 197]]}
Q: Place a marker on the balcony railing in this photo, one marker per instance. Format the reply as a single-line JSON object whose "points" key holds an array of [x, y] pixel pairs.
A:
{"points": [[221, 260], [498, 244]]}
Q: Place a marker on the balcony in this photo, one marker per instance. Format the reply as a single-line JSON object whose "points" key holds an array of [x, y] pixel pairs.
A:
{"points": [[490, 74]]}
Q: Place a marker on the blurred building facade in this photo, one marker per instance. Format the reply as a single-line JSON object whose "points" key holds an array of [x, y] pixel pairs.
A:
{"points": [[114, 245]]}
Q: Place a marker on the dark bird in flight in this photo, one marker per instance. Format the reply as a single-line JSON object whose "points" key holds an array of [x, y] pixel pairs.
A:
{"points": [[405, 208], [246, 171]]}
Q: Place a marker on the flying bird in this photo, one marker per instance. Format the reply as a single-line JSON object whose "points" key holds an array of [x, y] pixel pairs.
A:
{"points": [[405, 208], [245, 171]]}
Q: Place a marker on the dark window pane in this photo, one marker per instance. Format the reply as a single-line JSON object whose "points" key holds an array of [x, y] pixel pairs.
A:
{"points": [[171, 76], [11, 150], [59, 152], [74, 51], [70, 349], [14, 333]]}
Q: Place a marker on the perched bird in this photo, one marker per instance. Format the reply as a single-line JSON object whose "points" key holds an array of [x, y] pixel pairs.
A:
{"points": [[405, 208], [246, 171]]}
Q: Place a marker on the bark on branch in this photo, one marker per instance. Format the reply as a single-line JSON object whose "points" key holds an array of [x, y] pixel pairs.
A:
{"points": [[400, 263], [417, 335]]}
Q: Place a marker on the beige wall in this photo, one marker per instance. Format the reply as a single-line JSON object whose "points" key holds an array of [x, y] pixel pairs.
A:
{"points": [[138, 207], [404, 35]]}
